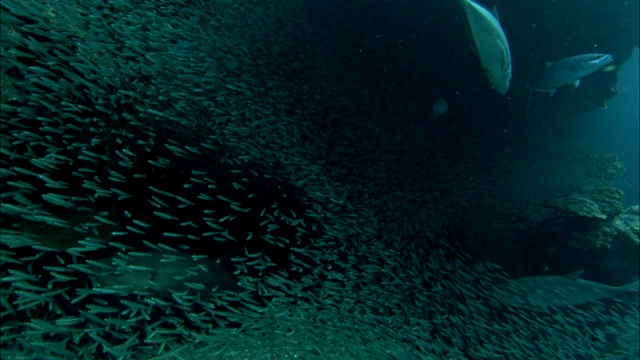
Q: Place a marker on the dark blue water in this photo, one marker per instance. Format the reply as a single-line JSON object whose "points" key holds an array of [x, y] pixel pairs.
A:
{"points": [[615, 129]]}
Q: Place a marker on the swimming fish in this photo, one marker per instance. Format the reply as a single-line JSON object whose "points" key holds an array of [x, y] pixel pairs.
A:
{"points": [[570, 71], [162, 276], [440, 107], [490, 43], [567, 290]]}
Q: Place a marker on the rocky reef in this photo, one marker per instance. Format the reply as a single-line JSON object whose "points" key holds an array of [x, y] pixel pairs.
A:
{"points": [[589, 229]]}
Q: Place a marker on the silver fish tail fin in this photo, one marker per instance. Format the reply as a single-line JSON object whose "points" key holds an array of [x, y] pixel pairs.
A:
{"points": [[633, 287], [530, 94]]}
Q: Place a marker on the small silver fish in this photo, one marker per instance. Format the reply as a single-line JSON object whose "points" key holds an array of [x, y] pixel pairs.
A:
{"points": [[440, 107], [154, 273]]}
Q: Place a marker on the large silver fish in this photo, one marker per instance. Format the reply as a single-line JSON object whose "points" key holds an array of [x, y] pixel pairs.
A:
{"points": [[490, 43], [567, 290], [570, 71], [157, 275]]}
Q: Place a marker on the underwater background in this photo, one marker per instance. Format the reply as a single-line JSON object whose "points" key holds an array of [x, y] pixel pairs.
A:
{"points": [[266, 180]]}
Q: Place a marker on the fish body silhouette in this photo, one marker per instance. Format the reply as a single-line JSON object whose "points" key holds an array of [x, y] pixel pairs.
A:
{"points": [[161, 275], [440, 107], [566, 290], [490, 43], [570, 71]]}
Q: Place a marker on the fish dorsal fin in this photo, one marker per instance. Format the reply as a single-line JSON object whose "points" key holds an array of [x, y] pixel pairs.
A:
{"points": [[576, 83], [530, 93], [574, 275], [495, 13], [547, 64]]}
